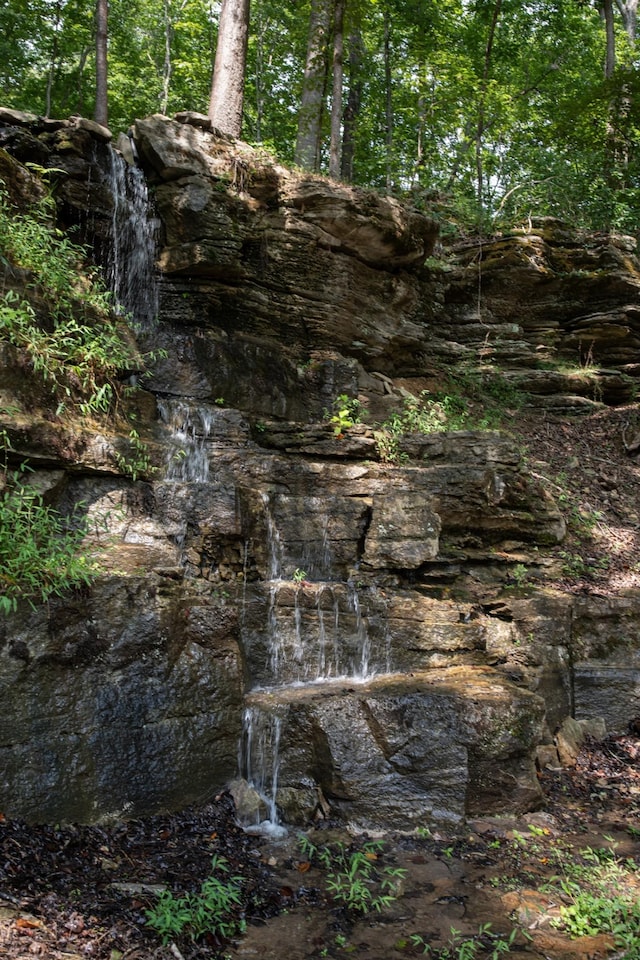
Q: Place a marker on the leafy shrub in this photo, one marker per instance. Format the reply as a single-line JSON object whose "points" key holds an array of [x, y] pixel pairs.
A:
{"points": [[40, 554], [215, 909], [424, 414], [353, 879], [347, 411], [466, 948], [75, 344], [138, 462]]}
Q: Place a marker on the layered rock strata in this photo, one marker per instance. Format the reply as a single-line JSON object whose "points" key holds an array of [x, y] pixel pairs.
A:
{"points": [[276, 601]]}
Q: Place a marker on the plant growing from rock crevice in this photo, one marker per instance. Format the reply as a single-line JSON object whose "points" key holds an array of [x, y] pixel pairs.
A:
{"points": [[347, 412]]}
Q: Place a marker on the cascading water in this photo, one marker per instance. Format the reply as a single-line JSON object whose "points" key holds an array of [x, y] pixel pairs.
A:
{"points": [[190, 426], [259, 761], [129, 263], [314, 630]]}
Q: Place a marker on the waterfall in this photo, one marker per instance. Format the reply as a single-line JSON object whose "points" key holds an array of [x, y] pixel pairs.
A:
{"points": [[301, 627], [190, 426], [274, 545], [129, 266], [259, 760], [360, 662]]}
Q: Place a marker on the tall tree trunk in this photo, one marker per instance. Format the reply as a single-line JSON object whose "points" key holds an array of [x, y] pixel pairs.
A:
{"points": [[480, 127], [609, 27], [388, 101], [629, 13], [101, 112], [53, 60], [336, 99], [167, 65], [307, 152], [352, 108], [619, 140], [227, 86]]}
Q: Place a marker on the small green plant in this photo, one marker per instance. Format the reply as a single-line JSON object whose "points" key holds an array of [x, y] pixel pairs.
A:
{"points": [[458, 947], [520, 574], [347, 411], [299, 576], [138, 463], [354, 881], [216, 909], [423, 832]]}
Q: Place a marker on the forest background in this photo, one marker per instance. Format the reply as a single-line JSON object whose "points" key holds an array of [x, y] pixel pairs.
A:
{"points": [[485, 112]]}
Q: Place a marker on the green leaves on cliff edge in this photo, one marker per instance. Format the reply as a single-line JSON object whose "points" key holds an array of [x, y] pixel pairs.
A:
{"points": [[40, 552], [63, 330], [66, 329]]}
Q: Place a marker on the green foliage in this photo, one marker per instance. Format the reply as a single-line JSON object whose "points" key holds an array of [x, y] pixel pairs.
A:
{"points": [[591, 912], [424, 414], [594, 886], [299, 575], [347, 411], [74, 343], [138, 462], [459, 947], [41, 552], [520, 574], [483, 134], [354, 881], [472, 400], [216, 909]]}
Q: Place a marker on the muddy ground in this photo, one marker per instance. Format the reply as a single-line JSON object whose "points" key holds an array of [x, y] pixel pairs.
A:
{"points": [[78, 892]]}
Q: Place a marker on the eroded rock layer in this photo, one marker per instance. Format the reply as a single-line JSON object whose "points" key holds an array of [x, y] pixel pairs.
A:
{"points": [[278, 602]]}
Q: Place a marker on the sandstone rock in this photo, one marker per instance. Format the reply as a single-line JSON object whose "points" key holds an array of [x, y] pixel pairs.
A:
{"points": [[265, 576], [403, 531], [569, 740]]}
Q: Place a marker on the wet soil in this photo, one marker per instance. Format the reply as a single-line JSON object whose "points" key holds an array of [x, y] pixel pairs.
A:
{"points": [[77, 892]]}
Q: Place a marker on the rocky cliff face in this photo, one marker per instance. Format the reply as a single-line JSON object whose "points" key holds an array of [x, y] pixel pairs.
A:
{"points": [[280, 604]]}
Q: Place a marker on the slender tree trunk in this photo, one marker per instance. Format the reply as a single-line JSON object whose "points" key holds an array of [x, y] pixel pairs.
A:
{"points": [[308, 141], [480, 127], [259, 75], [352, 108], [609, 27], [101, 112], [54, 59], [336, 99], [227, 87], [388, 101], [167, 65], [84, 54]]}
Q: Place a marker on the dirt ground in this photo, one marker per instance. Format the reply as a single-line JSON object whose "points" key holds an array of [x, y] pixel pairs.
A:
{"points": [[75, 892], [78, 892]]}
